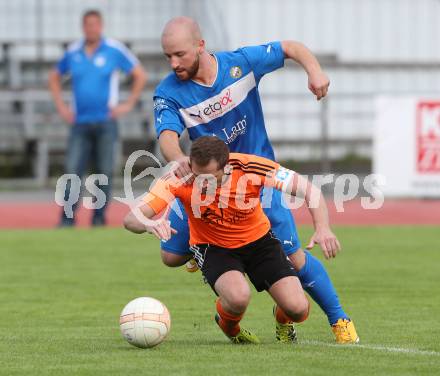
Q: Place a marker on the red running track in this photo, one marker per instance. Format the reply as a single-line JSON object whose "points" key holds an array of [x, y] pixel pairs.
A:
{"points": [[14, 215]]}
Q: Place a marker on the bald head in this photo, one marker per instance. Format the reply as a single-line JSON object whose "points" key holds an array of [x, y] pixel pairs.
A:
{"points": [[182, 28], [183, 45]]}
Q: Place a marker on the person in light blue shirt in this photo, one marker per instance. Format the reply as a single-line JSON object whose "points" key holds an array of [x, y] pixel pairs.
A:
{"points": [[93, 64], [217, 94]]}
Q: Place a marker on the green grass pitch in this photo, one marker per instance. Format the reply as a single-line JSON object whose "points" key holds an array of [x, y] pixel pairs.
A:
{"points": [[62, 291]]}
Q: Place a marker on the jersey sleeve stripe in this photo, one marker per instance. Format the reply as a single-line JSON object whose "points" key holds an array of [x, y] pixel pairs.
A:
{"points": [[123, 49], [252, 164], [246, 168], [232, 160], [256, 172], [74, 46], [251, 170]]}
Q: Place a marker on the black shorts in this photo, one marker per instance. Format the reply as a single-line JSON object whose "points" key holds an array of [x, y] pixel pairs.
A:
{"points": [[263, 260]]}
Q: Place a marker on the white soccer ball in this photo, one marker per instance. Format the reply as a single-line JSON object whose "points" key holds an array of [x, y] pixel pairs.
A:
{"points": [[145, 322]]}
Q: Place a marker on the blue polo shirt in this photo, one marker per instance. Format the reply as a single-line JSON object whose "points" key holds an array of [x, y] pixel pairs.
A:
{"points": [[95, 80]]}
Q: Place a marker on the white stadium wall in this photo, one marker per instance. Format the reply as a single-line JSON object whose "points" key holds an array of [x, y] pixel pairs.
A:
{"points": [[367, 30], [355, 30]]}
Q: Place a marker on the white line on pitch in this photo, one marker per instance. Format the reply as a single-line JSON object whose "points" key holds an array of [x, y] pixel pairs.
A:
{"points": [[374, 347]]}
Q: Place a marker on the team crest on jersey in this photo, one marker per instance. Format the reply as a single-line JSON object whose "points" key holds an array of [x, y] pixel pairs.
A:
{"points": [[99, 61], [235, 72]]}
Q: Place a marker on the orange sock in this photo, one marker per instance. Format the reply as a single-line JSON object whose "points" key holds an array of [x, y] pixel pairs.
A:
{"points": [[282, 317], [228, 322], [304, 318]]}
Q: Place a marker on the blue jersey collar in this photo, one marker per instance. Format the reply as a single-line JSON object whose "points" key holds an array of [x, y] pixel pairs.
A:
{"points": [[83, 46], [216, 76]]}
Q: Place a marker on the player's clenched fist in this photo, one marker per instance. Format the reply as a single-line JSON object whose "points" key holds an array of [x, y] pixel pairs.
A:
{"points": [[318, 84]]}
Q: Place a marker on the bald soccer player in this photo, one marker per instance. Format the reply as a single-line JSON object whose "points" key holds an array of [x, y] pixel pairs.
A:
{"points": [[230, 235], [217, 94]]}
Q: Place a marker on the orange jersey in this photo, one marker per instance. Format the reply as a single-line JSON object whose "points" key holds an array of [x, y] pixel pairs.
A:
{"points": [[229, 216]]}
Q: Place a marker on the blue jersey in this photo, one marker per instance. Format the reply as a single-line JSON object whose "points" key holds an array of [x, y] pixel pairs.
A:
{"points": [[95, 77], [229, 109]]}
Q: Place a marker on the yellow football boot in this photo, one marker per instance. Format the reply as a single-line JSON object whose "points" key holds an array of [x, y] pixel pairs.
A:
{"points": [[284, 333], [191, 266], [345, 332], [244, 336]]}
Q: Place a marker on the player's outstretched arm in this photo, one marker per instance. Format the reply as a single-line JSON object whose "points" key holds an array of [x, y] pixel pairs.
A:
{"points": [[318, 81], [160, 228], [323, 235]]}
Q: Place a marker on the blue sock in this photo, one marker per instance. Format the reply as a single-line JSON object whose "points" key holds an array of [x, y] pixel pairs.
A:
{"points": [[316, 282]]}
